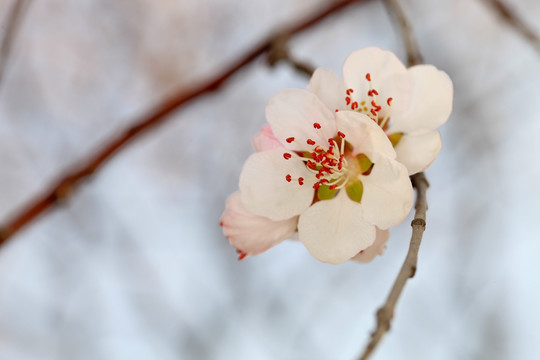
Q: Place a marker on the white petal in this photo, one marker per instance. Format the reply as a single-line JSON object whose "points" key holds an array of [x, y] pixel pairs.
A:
{"points": [[265, 140], [334, 230], [388, 75], [431, 101], [417, 152], [292, 113], [329, 88], [388, 193], [265, 191], [251, 233], [378, 247], [364, 134]]}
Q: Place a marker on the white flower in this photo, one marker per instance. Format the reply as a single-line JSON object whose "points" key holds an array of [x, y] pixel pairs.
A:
{"points": [[409, 104], [336, 171]]}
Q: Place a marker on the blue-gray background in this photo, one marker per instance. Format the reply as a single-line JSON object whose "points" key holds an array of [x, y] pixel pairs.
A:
{"points": [[134, 266]]}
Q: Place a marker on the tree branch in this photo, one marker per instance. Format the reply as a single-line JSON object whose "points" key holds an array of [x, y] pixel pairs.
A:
{"points": [[14, 19], [512, 19], [279, 51], [64, 187], [385, 314], [408, 269], [413, 53]]}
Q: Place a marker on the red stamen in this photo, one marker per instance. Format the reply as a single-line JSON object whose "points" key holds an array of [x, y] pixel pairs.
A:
{"points": [[290, 139], [316, 125], [316, 186], [241, 253], [221, 223], [341, 135], [354, 105], [374, 92], [324, 181], [319, 149], [349, 91], [348, 100], [310, 164], [310, 142], [373, 112], [288, 178], [374, 104], [332, 187], [370, 93], [331, 141], [287, 156], [368, 77], [301, 181], [388, 101]]}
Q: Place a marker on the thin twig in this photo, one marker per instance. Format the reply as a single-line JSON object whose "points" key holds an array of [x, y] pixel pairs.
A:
{"points": [[279, 51], [14, 19], [511, 18], [385, 313], [408, 269], [67, 184], [413, 53]]}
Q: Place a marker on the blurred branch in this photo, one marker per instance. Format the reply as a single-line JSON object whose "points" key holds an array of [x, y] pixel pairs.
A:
{"points": [[63, 188], [511, 18], [413, 53], [408, 269], [14, 19], [279, 51], [385, 314]]}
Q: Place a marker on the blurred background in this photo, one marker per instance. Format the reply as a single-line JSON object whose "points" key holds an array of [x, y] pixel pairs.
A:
{"points": [[134, 265]]}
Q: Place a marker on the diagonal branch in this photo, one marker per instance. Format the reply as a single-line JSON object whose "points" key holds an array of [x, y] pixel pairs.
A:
{"points": [[67, 184], [13, 22], [408, 269], [511, 18]]}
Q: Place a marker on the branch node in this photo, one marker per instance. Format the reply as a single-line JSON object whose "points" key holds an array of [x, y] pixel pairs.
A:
{"points": [[419, 222]]}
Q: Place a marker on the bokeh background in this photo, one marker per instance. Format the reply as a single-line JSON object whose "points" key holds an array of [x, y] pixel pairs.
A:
{"points": [[134, 265]]}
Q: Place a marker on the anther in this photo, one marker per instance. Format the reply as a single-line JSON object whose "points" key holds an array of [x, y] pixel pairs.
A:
{"points": [[288, 178], [287, 156], [348, 100], [316, 125], [341, 135], [301, 181], [373, 112], [332, 187], [290, 139], [354, 105], [349, 91], [368, 77], [319, 149], [374, 92], [316, 186], [388, 101], [310, 142]]}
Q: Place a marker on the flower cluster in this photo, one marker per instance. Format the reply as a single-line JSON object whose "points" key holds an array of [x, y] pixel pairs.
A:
{"points": [[334, 161]]}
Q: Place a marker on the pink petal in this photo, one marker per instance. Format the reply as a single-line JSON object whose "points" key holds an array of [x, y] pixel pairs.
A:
{"points": [[265, 140], [378, 247], [250, 233]]}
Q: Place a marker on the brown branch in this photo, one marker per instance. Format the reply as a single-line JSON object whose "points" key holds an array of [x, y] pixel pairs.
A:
{"points": [[511, 18], [66, 185], [413, 53], [385, 314], [14, 19], [408, 269], [279, 51]]}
